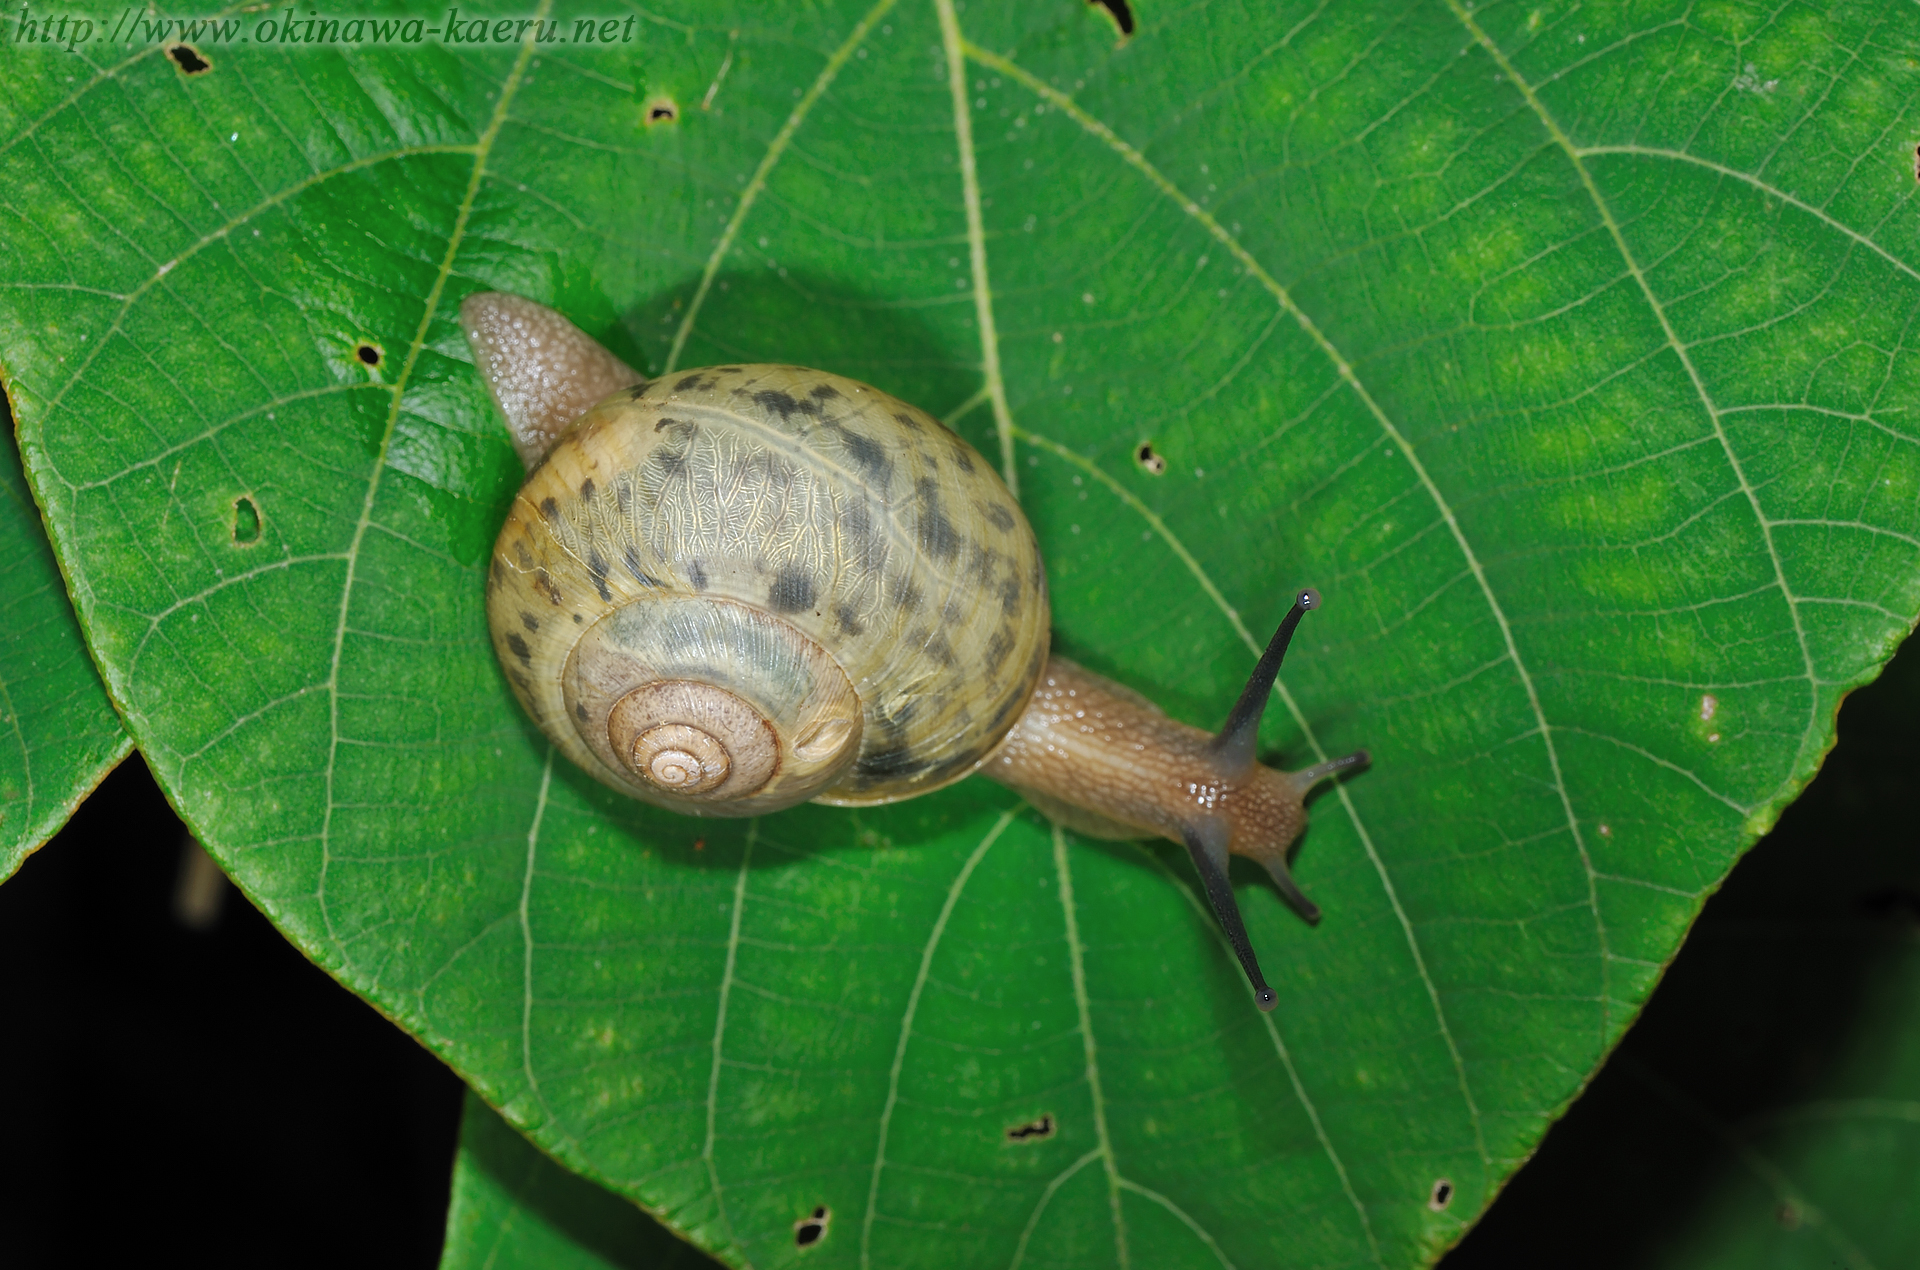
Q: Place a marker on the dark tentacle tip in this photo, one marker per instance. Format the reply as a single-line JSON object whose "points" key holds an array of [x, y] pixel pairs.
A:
{"points": [[1266, 999], [1309, 598], [1290, 891]]}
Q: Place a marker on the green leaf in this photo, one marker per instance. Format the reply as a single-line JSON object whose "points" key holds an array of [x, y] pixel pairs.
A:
{"points": [[1563, 348], [513, 1206], [61, 735], [1765, 1111]]}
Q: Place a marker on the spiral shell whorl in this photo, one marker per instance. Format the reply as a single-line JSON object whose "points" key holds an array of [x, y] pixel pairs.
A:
{"points": [[839, 518], [679, 759], [709, 706], [692, 739]]}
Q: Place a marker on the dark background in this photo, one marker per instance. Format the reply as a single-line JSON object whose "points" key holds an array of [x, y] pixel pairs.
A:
{"points": [[199, 1097], [211, 1096]]}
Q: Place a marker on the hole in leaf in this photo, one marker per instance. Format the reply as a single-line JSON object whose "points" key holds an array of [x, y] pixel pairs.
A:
{"points": [[1041, 1128], [246, 522], [1154, 463], [188, 59], [368, 354], [662, 110], [1441, 1196], [812, 1228], [1120, 11]]}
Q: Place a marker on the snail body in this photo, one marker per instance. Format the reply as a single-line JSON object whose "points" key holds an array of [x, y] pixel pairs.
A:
{"points": [[733, 589]]}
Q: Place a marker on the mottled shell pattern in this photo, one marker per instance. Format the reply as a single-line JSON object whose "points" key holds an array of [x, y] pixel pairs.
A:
{"points": [[840, 568]]}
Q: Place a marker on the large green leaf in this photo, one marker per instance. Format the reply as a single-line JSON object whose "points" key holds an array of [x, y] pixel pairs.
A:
{"points": [[1563, 348], [61, 733], [511, 1206], [1765, 1111]]}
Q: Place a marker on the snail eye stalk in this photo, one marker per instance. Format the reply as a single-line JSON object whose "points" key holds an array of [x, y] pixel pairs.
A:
{"points": [[1235, 743], [1207, 844]]}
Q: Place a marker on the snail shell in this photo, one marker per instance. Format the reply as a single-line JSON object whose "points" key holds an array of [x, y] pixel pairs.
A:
{"points": [[735, 589]]}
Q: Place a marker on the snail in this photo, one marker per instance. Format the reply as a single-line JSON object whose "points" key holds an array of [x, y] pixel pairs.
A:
{"points": [[733, 589]]}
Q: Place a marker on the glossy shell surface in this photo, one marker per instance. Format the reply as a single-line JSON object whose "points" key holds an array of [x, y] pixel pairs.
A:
{"points": [[854, 518]]}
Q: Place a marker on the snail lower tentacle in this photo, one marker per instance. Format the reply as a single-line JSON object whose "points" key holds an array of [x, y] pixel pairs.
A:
{"points": [[1106, 763]]}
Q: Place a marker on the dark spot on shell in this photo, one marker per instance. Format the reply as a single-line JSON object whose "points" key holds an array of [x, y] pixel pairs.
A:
{"points": [[1000, 517], [587, 490], [577, 619], [982, 562], [622, 494], [1010, 597], [668, 461], [996, 651], [545, 583], [773, 401], [872, 458], [696, 575], [825, 391], [908, 420], [632, 559], [953, 611], [597, 566], [666, 422], [965, 760], [687, 383], [550, 509], [529, 621], [962, 455], [792, 590], [894, 761], [520, 650], [580, 713], [848, 618], [636, 392], [939, 649], [498, 576], [524, 556], [935, 531], [1003, 717], [520, 677], [902, 591]]}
